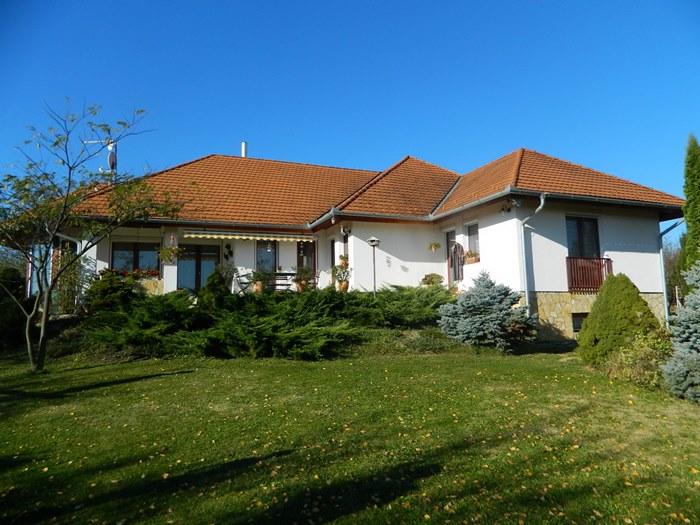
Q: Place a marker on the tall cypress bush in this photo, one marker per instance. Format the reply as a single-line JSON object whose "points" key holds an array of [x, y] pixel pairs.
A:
{"points": [[682, 371], [617, 315], [691, 208]]}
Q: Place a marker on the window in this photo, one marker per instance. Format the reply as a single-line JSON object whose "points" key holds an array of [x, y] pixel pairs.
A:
{"points": [[577, 321], [473, 238], [306, 255], [582, 237], [131, 256], [266, 256], [195, 264]]}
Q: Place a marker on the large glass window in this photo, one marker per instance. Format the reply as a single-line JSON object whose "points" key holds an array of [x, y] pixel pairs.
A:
{"points": [[132, 256], [582, 237], [195, 264], [306, 255], [266, 256]]}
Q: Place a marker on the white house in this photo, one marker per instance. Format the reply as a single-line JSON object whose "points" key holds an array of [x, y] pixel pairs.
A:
{"points": [[543, 226]]}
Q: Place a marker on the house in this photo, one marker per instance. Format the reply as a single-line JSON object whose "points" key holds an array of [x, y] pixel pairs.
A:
{"points": [[543, 226]]}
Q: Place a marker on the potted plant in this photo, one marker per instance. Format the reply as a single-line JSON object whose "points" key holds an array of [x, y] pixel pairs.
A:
{"points": [[261, 279], [341, 276], [303, 275], [471, 257], [433, 246]]}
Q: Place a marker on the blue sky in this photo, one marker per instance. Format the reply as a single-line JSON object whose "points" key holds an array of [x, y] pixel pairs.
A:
{"points": [[612, 85]]}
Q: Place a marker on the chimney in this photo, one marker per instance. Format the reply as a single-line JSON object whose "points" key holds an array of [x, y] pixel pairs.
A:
{"points": [[244, 149]]}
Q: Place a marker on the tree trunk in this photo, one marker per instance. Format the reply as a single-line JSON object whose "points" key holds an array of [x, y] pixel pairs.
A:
{"points": [[43, 331], [28, 341]]}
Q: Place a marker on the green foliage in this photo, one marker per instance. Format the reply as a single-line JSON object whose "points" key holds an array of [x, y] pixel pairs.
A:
{"points": [[70, 284], [432, 279], [691, 208], [110, 292], [485, 315], [151, 325], [398, 306], [682, 371], [316, 324], [640, 362], [617, 315], [11, 316], [215, 290]]}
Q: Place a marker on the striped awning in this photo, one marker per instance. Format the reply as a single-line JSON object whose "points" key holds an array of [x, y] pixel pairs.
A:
{"points": [[255, 236]]}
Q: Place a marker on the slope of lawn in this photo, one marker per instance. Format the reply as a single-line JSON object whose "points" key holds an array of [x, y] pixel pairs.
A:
{"points": [[447, 438]]}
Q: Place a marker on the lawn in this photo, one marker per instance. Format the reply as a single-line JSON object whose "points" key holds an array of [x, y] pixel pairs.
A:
{"points": [[445, 438]]}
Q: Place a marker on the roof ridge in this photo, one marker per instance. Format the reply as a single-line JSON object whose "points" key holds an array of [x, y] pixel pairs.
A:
{"points": [[286, 162], [516, 175], [374, 180]]}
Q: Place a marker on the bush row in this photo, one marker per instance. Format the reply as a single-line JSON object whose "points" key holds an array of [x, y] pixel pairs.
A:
{"points": [[314, 324]]}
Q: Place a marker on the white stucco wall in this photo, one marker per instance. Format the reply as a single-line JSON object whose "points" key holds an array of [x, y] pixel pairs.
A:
{"points": [[629, 238], [402, 257]]}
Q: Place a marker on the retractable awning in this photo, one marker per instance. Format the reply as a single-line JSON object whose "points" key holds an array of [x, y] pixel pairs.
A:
{"points": [[255, 236]]}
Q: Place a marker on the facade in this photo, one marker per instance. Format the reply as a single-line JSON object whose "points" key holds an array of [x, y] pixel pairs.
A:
{"points": [[543, 226]]}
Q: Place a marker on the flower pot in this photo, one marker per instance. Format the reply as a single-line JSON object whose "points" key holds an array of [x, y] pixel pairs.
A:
{"points": [[258, 287], [343, 286], [301, 285], [472, 260]]}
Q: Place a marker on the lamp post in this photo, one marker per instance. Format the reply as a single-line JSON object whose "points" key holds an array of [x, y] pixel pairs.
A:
{"points": [[374, 242]]}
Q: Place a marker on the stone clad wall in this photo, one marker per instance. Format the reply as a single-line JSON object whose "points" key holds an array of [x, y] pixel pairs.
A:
{"points": [[555, 309]]}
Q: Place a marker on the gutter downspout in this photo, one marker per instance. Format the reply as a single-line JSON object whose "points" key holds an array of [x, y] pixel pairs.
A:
{"points": [[663, 269], [523, 254]]}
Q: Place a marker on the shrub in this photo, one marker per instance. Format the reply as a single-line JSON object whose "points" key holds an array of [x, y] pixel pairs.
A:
{"points": [[485, 316], [682, 371], [432, 279], [397, 306], [110, 292], [617, 315], [11, 317], [640, 362], [215, 290]]}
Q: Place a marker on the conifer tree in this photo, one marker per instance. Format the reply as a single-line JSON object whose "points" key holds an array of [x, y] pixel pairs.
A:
{"points": [[617, 315], [485, 315], [691, 208], [682, 371]]}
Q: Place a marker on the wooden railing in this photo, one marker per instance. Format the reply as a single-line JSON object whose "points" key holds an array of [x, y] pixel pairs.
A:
{"points": [[587, 275]]}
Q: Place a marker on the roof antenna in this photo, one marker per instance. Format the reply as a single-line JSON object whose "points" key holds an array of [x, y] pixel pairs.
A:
{"points": [[112, 156], [244, 149]]}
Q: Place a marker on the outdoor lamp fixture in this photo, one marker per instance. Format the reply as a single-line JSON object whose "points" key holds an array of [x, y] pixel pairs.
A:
{"points": [[374, 242], [269, 246], [345, 230], [505, 209]]}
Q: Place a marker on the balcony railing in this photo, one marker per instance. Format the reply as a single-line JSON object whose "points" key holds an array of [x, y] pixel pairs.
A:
{"points": [[587, 275]]}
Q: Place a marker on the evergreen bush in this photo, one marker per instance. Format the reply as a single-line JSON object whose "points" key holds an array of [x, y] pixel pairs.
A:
{"points": [[11, 316], [682, 371], [485, 315], [110, 292], [617, 315]]}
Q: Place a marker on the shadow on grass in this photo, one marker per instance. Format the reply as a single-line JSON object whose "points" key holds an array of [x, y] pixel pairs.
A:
{"points": [[123, 502], [325, 503], [15, 394]]}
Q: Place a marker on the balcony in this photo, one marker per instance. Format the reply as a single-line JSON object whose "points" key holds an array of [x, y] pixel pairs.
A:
{"points": [[586, 275]]}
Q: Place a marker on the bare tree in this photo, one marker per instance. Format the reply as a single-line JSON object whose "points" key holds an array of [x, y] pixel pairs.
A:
{"points": [[56, 195]]}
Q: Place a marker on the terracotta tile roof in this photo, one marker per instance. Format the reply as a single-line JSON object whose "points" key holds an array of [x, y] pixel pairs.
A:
{"points": [[226, 190], [410, 188], [237, 190], [529, 170]]}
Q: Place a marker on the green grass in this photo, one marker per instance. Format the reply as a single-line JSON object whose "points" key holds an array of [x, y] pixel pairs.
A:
{"points": [[445, 438]]}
